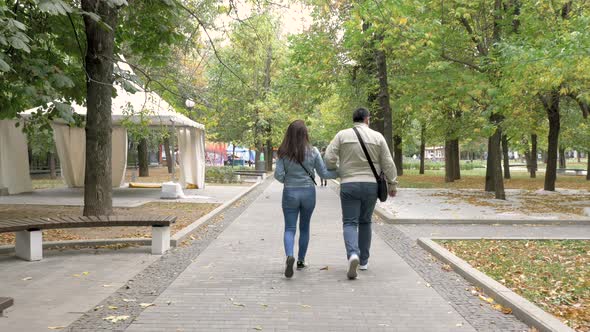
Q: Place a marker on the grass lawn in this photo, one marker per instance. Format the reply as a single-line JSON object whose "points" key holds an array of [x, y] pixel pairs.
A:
{"points": [[475, 179], [554, 275]]}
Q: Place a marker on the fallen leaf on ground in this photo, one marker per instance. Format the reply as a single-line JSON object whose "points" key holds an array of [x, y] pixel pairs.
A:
{"points": [[113, 307], [115, 319], [98, 307], [129, 300], [325, 268], [27, 278], [85, 273], [238, 304], [447, 268], [168, 302], [305, 306], [263, 305], [105, 286], [428, 285], [506, 311], [459, 324], [258, 328], [75, 275], [56, 327], [145, 305]]}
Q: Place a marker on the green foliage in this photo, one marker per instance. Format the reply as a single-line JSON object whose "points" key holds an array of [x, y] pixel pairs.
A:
{"points": [[220, 174]]}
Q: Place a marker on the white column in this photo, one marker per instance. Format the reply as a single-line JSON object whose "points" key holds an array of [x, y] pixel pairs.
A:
{"points": [[29, 245], [160, 239]]}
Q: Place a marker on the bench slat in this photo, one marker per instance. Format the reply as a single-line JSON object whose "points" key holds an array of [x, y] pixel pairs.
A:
{"points": [[14, 225]]}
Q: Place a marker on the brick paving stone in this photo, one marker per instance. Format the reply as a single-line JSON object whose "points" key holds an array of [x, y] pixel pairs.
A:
{"points": [[449, 285], [151, 282], [237, 284]]}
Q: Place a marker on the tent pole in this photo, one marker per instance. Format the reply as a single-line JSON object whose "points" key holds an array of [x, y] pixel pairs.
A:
{"points": [[172, 136]]}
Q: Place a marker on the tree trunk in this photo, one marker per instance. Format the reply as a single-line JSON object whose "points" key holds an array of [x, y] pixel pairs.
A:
{"points": [[534, 154], [143, 158], [268, 154], [98, 198], [168, 154], [456, 159], [398, 156], [490, 183], [579, 156], [449, 164], [383, 96], [588, 166], [505, 157], [51, 159], [497, 164], [422, 148], [562, 163], [552, 108]]}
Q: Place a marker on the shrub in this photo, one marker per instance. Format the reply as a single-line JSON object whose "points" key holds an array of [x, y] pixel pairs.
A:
{"points": [[223, 174]]}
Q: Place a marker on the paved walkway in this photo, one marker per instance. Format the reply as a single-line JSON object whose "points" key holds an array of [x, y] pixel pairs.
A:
{"points": [[123, 197], [58, 291], [473, 204], [237, 283]]}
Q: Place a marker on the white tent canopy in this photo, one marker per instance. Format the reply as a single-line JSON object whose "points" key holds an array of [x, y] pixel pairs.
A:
{"points": [[71, 142]]}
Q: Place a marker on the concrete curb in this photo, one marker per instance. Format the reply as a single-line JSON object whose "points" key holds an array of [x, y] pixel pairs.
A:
{"points": [[515, 238], [174, 240], [523, 309], [404, 221], [179, 236]]}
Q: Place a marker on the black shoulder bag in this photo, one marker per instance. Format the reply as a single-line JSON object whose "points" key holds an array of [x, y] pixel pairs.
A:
{"points": [[381, 180], [308, 173]]}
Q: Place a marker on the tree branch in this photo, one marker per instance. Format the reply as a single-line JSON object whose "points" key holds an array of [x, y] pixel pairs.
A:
{"points": [[480, 47], [194, 15], [584, 106], [463, 62]]}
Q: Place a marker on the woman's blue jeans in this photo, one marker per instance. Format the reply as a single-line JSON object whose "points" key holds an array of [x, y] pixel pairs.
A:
{"points": [[297, 202]]}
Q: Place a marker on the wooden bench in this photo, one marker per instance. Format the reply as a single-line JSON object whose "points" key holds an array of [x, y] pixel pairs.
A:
{"points": [[5, 303], [29, 239], [251, 173], [571, 171]]}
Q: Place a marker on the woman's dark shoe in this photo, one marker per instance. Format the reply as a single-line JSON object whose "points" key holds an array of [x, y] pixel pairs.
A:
{"points": [[289, 267], [301, 265]]}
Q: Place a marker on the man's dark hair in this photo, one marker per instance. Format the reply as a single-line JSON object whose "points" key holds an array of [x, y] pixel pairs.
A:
{"points": [[360, 114]]}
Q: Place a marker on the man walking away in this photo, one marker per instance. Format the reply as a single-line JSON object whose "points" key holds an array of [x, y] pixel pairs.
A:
{"points": [[358, 188]]}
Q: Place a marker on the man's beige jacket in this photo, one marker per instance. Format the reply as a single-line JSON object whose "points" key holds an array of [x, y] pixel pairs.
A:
{"points": [[346, 154]]}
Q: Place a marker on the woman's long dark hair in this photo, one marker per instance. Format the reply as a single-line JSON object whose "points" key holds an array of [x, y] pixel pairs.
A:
{"points": [[296, 142]]}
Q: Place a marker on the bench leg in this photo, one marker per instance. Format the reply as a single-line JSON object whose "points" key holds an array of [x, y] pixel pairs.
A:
{"points": [[160, 239], [29, 245]]}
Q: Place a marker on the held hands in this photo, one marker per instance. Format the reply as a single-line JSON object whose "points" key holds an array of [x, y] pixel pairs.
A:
{"points": [[392, 193]]}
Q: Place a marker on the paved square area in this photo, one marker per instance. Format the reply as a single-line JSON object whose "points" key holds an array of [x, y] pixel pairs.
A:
{"points": [[58, 291], [237, 283]]}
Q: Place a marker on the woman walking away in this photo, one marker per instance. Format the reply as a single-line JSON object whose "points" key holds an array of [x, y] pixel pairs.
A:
{"points": [[296, 167]]}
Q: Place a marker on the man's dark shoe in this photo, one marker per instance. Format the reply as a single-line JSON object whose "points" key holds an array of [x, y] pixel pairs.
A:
{"points": [[301, 265], [289, 267]]}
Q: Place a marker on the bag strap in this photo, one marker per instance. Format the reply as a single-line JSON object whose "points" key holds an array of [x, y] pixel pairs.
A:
{"points": [[308, 173], [366, 153]]}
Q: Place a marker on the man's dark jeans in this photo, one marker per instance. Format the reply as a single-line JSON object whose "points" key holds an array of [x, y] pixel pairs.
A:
{"points": [[358, 201]]}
